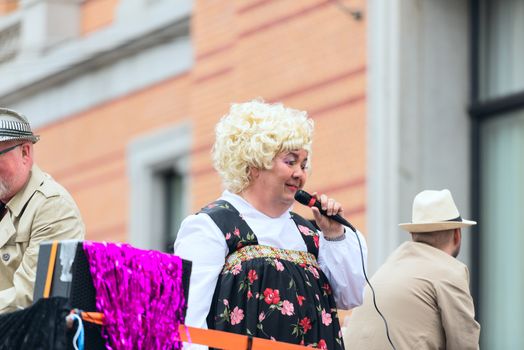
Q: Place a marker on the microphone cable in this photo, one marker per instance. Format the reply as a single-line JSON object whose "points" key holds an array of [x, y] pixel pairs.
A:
{"points": [[306, 199], [373, 291]]}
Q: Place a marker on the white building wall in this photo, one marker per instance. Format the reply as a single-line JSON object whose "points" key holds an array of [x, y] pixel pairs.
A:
{"points": [[419, 129]]}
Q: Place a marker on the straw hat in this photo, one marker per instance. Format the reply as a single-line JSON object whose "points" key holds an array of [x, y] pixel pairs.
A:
{"points": [[14, 126], [435, 211]]}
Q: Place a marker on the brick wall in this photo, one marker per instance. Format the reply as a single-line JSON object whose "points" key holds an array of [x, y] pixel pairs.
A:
{"points": [[97, 14], [7, 6]]}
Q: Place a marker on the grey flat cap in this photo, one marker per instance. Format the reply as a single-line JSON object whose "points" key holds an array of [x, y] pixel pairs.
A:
{"points": [[15, 126]]}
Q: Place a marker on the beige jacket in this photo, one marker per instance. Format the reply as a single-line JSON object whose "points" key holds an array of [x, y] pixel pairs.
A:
{"points": [[42, 211], [424, 295]]}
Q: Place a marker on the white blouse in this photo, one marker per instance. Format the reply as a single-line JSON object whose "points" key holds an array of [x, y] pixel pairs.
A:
{"points": [[202, 242]]}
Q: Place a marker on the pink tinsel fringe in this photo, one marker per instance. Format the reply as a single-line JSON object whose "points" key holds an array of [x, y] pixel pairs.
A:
{"points": [[140, 293]]}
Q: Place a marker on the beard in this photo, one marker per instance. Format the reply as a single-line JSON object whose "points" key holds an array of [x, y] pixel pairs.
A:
{"points": [[5, 189]]}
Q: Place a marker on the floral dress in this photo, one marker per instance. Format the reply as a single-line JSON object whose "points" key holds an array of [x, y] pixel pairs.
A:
{"points": [[269, 292]]}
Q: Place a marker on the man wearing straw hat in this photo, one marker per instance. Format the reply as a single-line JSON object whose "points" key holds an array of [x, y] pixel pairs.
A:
{"points": [[33, 208], [421, 290]]}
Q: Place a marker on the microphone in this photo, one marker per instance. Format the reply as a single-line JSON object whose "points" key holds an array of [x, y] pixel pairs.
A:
{"points": [[305, 198]]}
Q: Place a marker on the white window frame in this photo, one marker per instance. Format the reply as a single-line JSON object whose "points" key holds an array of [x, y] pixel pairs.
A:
{"points": [[147, 155]]}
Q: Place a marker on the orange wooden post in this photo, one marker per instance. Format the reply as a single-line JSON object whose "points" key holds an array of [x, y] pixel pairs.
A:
{"points": [[50, 270]]}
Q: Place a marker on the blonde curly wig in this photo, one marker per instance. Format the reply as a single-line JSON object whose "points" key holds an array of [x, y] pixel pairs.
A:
{"points": [[252, 134]]}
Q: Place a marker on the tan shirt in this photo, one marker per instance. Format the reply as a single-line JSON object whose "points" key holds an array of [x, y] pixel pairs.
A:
{"points": [[424, 295], [42, 211]]}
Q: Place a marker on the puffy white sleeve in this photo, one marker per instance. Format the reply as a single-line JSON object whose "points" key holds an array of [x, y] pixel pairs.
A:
{"points": [[341, 261], [201, 241]]}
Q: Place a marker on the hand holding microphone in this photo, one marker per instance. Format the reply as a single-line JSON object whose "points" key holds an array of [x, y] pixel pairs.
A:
{"points": [[305, 198]]}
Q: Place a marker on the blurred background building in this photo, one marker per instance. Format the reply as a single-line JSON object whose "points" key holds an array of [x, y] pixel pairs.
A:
{"points": [[406, 95]]}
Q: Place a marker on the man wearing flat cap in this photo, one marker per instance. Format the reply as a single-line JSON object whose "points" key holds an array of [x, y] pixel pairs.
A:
{"points": [[422, 290], [33, 208]]}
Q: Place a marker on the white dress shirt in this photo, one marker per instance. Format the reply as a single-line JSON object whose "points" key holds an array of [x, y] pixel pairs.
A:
{"points": [[202, 242]]}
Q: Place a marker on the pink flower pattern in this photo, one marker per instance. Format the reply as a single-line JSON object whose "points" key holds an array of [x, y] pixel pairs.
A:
{"points": [[236, 269], [305, 230], [314, 271], [287, 308], [326, 318], [278, 265], [237, 315]]}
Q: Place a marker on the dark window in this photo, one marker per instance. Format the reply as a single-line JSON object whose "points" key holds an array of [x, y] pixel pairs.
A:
{"points": [[497, 112], [172, 191]]}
